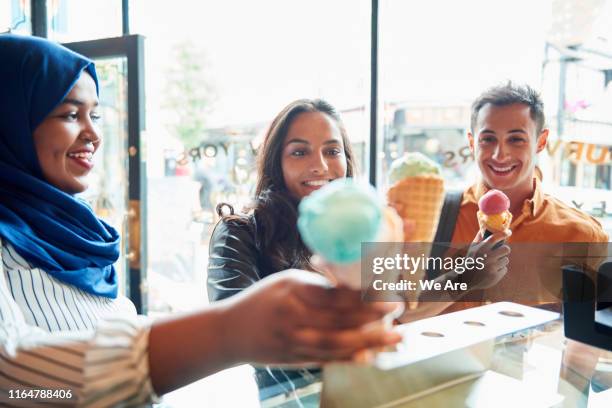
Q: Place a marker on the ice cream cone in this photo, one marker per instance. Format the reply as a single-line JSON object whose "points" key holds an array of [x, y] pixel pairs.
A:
{"points": [[420, 199], [493, 212], [494, 222]]}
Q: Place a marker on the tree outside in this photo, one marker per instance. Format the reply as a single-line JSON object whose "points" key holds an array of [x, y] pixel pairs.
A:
{"points": [[189, 94]]}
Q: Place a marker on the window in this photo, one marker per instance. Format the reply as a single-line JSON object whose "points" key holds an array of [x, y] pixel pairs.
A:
{"points": [[81, 20], [15, 15], [437, 57], [216, 75]]}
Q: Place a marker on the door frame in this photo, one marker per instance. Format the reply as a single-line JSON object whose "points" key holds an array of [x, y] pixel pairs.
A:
{"points": [[132, 48]]}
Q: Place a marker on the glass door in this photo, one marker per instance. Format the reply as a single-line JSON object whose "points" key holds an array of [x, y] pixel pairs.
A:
{"points": [[117, 188]]}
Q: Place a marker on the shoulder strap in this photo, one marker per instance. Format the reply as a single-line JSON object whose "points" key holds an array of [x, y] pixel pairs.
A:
{"points": [[446, 227], [448, 216]]}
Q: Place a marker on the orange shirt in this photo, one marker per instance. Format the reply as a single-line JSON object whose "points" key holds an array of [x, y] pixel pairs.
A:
{"points": [[543, 219]]}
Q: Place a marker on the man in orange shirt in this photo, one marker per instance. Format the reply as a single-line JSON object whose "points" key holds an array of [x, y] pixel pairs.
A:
{"points": [[507, 133]]}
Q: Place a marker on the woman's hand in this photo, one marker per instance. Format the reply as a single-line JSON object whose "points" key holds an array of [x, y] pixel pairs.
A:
{"points": [[297, 317], [287, 318], [495, 260]]}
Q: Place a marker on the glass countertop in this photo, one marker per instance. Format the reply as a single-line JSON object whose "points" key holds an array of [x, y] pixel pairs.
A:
{"points": [[536, 367]]}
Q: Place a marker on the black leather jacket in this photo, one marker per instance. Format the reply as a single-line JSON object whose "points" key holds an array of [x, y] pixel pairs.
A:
{"points": [[235, 262]]}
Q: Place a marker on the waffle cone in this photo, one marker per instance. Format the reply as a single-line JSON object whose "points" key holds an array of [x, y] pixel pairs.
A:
{"points": [[494, 222], [419, 199]]}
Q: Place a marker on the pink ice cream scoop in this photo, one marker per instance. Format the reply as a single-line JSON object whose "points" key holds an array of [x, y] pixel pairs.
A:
{"points": [[493, 202], [493, 214]]}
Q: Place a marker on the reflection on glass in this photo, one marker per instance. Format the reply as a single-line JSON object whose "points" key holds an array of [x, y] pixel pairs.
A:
{"points": [[579, 97], [109, 179]]}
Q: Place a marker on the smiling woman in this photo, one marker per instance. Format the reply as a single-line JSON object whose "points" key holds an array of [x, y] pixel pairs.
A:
{"points": [[306, 146], [67, 139], [313, 153]]}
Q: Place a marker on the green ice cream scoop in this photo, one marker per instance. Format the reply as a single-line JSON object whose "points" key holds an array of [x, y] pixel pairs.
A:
{"points": [[412, 165], [334, 220]]}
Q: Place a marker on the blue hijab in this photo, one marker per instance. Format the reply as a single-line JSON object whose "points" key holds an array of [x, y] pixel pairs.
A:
{"points": [[50, 229]]}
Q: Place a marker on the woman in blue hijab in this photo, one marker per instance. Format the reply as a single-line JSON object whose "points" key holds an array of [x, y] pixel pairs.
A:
{"points": [[42, 220], [63, 326]]}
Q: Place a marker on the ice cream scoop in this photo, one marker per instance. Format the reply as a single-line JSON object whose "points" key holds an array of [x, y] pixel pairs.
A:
{"points": [[334, 220], [493, 214], [493, 202], [412, 165]]}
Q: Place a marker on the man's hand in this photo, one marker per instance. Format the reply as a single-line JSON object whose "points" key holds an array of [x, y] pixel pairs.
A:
{"points": [[297, 317], [495, 260]]}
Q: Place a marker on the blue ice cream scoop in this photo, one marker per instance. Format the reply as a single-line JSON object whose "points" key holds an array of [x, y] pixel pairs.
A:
{"points": [[334, 220]]}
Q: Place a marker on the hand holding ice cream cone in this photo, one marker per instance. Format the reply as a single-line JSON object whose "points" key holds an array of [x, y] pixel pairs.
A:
{"points": [[493, 213], [335, 220], [417, 193], [495, 254]]}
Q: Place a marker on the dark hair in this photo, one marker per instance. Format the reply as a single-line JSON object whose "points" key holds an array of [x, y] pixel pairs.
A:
{"points": [[274, 209], [508, 94]]}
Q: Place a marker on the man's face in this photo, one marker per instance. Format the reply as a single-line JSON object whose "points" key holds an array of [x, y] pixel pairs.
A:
{"points": [[505, 144]]}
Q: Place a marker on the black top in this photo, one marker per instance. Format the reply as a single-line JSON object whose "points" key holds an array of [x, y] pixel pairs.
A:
{"points": [[235, 262]]}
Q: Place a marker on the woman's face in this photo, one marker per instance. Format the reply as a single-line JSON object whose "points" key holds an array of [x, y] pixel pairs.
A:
{"points": [[69, 136], [313, 153]]}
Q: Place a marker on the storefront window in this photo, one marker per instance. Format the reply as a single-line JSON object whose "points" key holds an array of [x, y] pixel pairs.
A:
{"points": [[15, 16], [82, 20], [433, 65], [217, 72], [577, 93], [216, 75]]}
